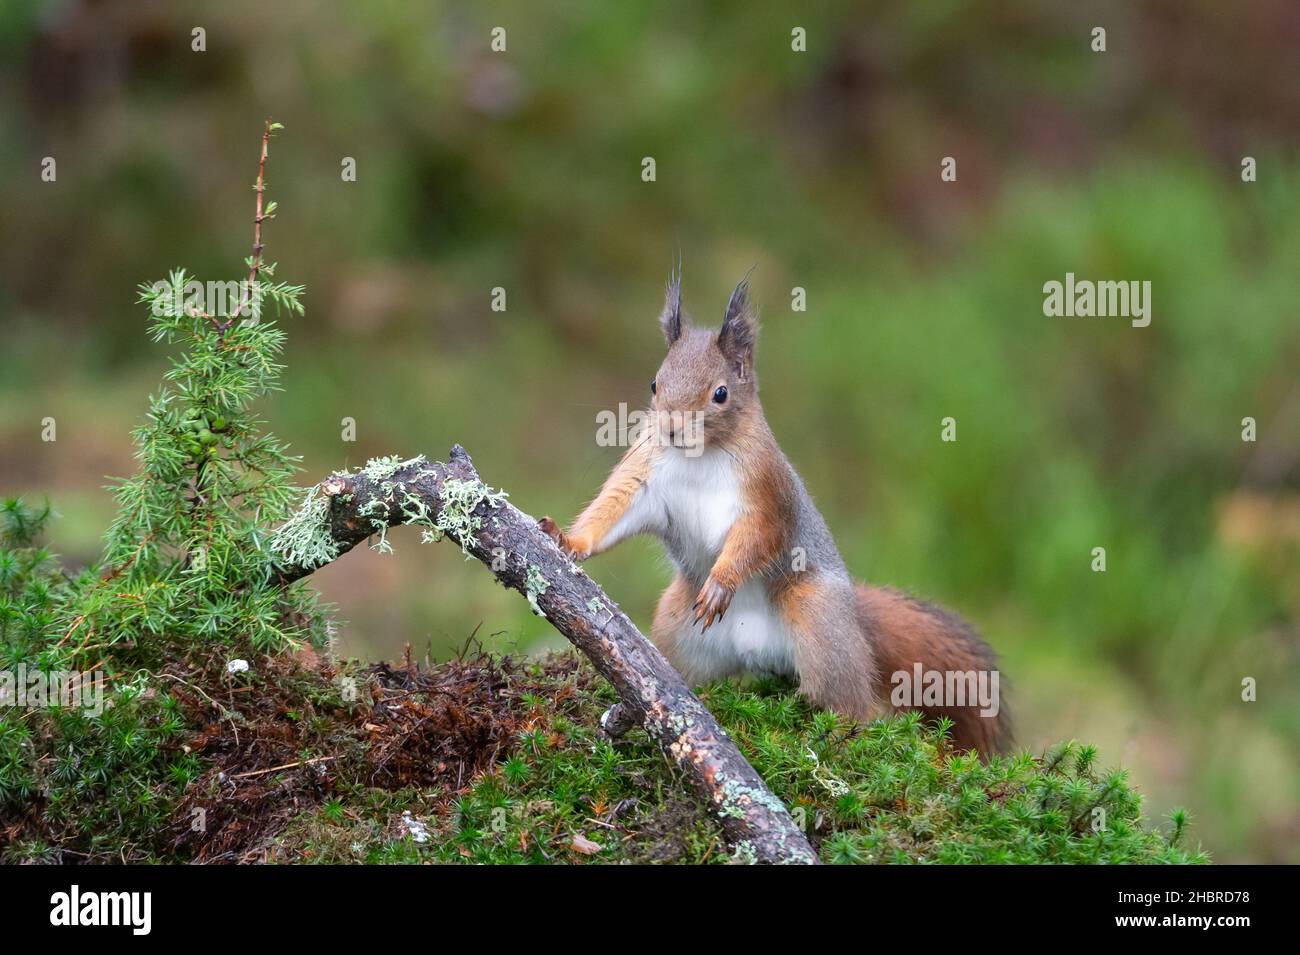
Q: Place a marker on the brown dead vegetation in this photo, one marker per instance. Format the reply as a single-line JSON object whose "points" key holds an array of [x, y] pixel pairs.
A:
{"points": [[284, 738]]}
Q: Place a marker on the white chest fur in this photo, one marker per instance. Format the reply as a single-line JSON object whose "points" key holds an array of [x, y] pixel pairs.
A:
{"points": [[698, 499]]}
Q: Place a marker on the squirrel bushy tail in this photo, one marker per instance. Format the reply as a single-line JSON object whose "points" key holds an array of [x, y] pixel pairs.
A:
{"points": [[905, 631]]}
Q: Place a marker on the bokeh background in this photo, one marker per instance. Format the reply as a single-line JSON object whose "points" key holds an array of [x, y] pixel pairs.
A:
{"points": [[522, 170]]}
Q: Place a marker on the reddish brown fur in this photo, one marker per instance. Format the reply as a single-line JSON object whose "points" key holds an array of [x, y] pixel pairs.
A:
{"points": [[905, 631], [758, 538], [588, 532], [672, 614]]}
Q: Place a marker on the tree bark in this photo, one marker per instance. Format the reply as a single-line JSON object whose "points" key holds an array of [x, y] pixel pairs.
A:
{"points": [[523, 557]]}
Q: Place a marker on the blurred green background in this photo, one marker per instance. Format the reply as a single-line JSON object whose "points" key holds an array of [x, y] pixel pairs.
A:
{"points": [[522, 170]]}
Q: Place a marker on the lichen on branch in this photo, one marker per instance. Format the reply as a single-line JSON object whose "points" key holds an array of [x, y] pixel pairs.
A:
{"points": [[307, 540]]}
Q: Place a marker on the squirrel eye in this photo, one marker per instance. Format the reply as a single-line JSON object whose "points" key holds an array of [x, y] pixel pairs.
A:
{"points": [[720, 395], [652, 386]]}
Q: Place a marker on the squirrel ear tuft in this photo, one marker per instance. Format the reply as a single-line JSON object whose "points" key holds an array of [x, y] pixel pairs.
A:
{"points": [[671, 318], [739, 328]]}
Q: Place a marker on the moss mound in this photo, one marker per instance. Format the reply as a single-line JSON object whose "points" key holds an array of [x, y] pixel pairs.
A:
{"points": [[499, 760]]}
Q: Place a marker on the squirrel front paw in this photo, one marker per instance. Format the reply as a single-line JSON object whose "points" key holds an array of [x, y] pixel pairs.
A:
{"points": [[712, 602], [576, 549]]}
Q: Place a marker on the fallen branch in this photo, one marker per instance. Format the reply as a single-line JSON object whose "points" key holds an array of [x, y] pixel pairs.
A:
{"points": [[450, 500]]}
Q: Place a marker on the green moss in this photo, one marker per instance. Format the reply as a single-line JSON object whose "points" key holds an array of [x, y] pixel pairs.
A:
{"points": [[892, 792]]}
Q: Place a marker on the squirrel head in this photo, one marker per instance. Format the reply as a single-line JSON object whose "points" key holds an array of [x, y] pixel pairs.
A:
{"points": [[705, 389]]}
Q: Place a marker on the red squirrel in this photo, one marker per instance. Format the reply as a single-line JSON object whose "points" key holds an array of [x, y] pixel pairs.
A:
{"points": [[760, 585]]}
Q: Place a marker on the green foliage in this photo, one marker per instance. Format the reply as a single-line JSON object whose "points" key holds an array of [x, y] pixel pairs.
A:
{"points": [[32, 587], [112, 780], [188, 548], [97, 779]]}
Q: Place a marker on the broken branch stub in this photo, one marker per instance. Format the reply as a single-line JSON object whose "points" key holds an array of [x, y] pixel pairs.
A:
{"points": [[450, 500]]}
